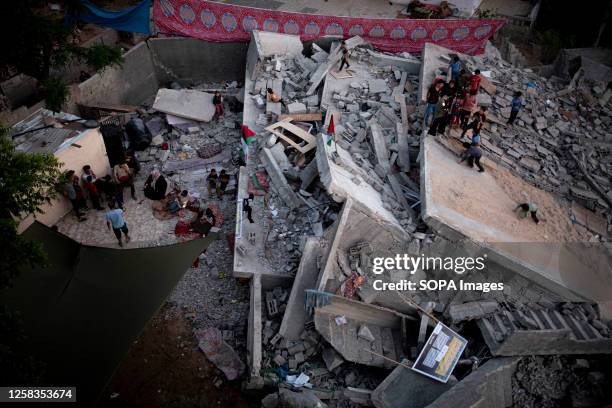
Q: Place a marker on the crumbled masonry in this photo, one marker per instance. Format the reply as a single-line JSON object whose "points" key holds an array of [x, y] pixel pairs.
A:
{"points": [[301, 312]]}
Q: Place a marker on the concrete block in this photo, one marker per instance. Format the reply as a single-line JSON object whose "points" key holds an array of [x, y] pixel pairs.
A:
{"points": [[331, 358], [296, 107]]}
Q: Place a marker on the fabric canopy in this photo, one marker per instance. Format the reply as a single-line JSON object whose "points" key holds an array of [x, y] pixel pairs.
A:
{"points": [[133, 19], [82, 311]]}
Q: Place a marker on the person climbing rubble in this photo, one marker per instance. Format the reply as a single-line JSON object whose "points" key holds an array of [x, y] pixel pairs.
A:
{"points": [[473, 155], [516, 105], [526, 209]]}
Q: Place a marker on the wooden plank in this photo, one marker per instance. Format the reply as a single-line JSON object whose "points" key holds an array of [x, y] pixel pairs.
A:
{"points": [[344, 74], [301, 117], [301, 149]]}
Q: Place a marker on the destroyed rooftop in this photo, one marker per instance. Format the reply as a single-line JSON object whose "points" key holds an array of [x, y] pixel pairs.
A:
{"points": [[326, 205]]}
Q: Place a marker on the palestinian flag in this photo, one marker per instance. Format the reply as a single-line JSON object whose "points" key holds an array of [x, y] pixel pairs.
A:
{"points": [[330, 131], [247, 134]]}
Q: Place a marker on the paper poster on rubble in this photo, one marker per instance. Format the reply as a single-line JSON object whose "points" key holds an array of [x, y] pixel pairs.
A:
{"points": [[441, 353]]}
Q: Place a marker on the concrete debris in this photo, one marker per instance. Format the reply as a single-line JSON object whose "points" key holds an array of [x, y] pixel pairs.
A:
{"points": [[220, 353], [185, 103]]}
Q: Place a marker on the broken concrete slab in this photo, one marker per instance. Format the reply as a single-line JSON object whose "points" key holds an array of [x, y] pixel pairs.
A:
{"points": [[409, 65], [489, 386], [220, 353], [185, 103], [382, 324], [331, 358], [305, 278], [471, 310], [380, 145], [278, 179], [405, 388]]}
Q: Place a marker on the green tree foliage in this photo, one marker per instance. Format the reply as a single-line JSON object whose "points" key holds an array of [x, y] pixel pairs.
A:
{"points": [[100, 56], [55, 92], [34, 43], [27, 181]]}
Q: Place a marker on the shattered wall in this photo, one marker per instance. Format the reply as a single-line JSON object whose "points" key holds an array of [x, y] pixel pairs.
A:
{"points": [[188, 60]]}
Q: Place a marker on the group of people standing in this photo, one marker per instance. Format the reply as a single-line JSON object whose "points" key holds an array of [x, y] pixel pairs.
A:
{"points": [[88, 186]]}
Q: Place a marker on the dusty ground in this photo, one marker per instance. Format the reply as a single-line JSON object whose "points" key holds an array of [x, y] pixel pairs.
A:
{"points": [[486, 202], [164, 367]]}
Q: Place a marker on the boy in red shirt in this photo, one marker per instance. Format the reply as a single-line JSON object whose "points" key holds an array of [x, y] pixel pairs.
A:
{"points": [[475, 81]]}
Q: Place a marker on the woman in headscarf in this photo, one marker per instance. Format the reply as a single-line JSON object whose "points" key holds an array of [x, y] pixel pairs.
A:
{"points": [[155, 186]]}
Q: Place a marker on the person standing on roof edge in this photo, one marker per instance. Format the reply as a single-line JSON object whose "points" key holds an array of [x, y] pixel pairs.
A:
{"points": [[515, 107], [475, 81], [441, 116], [344, 59], [218, 102], [454, 67], [114, 219], [433, 96]]}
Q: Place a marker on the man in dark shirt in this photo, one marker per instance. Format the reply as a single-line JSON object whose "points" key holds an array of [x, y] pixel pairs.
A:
{"points": [[433, 96]]}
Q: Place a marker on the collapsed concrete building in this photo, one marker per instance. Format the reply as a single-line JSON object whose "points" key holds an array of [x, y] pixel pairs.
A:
{"points": [[325, 205], [379, 187]]}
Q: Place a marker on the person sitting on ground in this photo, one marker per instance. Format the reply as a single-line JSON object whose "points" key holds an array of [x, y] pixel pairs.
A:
{"points": [[184, 198], [211, 180], [114, 219], [515, 106], [441, 117], [528, 209], [224, 179], [218, 102], [123, 177], [203, 222], [71, 194], [475, 81], [473, 155], [433, 97], [155, 186], [274, 97]]}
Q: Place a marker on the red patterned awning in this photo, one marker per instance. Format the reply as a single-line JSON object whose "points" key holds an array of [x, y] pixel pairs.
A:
{"points": [[213, 21]]}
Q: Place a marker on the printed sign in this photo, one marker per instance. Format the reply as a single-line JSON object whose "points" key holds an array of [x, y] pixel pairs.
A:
{"points": [[440, 354]]}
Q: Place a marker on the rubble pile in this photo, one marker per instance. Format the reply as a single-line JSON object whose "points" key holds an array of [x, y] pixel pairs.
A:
{"points": [[560, 141], [558, 381]]}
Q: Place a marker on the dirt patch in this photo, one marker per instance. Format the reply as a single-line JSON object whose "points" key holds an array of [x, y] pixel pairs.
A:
{"points": [[481, 205], [164, 367]]}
